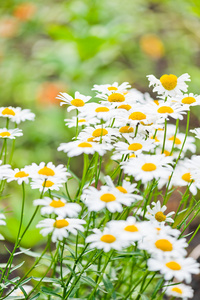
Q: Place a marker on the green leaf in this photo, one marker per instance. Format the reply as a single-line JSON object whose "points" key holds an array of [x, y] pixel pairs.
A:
{"points": [[35, 297], [48, 291], [17, 266]]}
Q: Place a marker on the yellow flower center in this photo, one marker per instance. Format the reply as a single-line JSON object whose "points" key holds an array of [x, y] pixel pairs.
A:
{"points": [[135, 146], [125, 106], [19, 293], [165, 110], [167, 153], [21, 174], [146, 124], [131, 228], [156, 102], [107, 197], [91, 139], [102, 109], [164, 245], [137, 115], [8, 111], [85, 145], [160, 217], [99, 132], [116, 97], [77, 102], [187, 177], [5, 133], [60, 223], [173, 265], [121, 189], [46, 171], [155, 138], [132, 155], [57, 203], [112, 88], [188, 100], [149, 167], [126, 129], [177, 290], [177, 140], [169, 82], [108, 238], [47, 183], [81, 120]]}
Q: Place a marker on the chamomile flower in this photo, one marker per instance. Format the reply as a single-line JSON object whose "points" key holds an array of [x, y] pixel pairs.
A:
{"points": [[126, 189], [129, 229], [46, 184], [179, 291], [20, 292], [157, 213], [106, 240], [106, 197], [49, 171], [74, 103], [107, 88], [181, 268], [169, 85], [10, 133], [164, 244], [169, 109], [189, 99], [159, 228], [182, 176], [19, 175], [134, 145], [17, 114], [4, 170], [101, 112], [58, 206], [148, 167], [78, 147], [99, 133], [178, 142], [60, 227], [81, 122]]}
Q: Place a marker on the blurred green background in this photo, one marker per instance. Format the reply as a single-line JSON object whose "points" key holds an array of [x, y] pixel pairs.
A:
{"points": [[49, 46]]}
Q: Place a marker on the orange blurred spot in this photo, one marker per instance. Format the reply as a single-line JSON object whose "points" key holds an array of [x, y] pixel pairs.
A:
{"points": [[25, 11], [9, 27], [48, 91], [151, 45]]}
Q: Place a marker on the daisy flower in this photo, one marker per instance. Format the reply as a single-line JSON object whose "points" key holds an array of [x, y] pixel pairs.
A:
{"points": [[148, 167], [169, 85], [134, 145], [78, 147], [99, 133], [20, 291], [19, 175], [178, 142], [126, 189], [107, 88], [169, 109], [60, 227], [156, 213], [129, 229], [165, 245], [182, 176], [48, 171], [179, 291], [17, 114], [74, 103], [46, 184], [181, 268], [10, 133], [189, 99], [98, 111], [159, 228], [81, 122], [106, 197], [58, 206], [106, 240]]}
